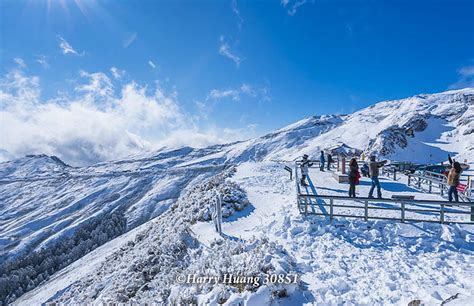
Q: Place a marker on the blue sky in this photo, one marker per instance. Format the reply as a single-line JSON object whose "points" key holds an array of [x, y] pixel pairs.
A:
{"points": [[244, 66]]}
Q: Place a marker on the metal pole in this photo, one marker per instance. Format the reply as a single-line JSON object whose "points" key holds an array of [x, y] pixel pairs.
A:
{"points": [[331, 208], [297, 187], [442, 214], [403, 211], [305, 205], [366, 209]]}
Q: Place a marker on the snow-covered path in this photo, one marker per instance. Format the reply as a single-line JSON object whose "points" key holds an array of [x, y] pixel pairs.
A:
{"points": [[353, 261]]}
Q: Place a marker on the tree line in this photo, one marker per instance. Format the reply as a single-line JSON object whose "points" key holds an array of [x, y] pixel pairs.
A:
{"points": [[23, 273]]}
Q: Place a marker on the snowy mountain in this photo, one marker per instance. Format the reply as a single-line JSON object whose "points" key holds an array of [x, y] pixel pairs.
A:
{"points": [[441, 123], [43, 200], [423, 128]]}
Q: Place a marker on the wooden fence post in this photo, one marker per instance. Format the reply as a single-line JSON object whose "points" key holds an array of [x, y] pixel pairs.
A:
{"points": [[218, 214]]}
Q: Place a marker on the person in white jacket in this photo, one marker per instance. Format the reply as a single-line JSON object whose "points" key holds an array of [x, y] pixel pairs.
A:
{"points": [[305, 164]]}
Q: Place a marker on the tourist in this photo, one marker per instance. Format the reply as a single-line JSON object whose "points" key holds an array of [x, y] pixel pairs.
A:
{"points": [[354, 177], [322, 160], [305, 164], [374, 176]]}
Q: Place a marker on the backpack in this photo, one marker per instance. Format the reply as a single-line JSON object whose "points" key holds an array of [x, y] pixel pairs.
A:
{"points": [[357, 178]]}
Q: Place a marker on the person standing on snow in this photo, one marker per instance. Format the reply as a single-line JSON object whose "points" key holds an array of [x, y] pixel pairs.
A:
{"points": [[305, 164], [374, 176], [329, 161], [365, 170], [453, 179], [322, 160], [354, 177]]}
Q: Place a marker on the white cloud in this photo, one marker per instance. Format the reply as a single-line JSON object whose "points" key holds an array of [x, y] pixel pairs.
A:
{"points": [[100, 120], [99, 85], [117, 73], [66, 47], [152, 65], [235, 94], [467, 71], [20, 62], [219, 93], [210, 136], [236, 11], [225, 50], [466, 78], [83, 129], [41, 59], [294, 5], [129, 40]]}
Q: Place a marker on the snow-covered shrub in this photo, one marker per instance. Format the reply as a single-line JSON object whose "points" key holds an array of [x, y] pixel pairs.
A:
{"points": [[201, 198], [146, 270]]}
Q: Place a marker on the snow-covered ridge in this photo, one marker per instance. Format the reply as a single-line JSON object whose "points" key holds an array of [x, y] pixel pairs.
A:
{"points": [[440, 122], [43, 200]]}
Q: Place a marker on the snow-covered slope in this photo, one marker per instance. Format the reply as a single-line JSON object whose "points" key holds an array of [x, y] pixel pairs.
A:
{"points": [[441, 123], [43, 200], [341, 262], [423, 128]]}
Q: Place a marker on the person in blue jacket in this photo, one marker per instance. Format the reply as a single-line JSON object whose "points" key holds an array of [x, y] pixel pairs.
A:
{"points": [[322, 160]]}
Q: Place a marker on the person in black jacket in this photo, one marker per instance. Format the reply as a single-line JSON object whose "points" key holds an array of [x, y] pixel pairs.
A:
{"points": [[322, 160], [354, 177], [329, 161], [365, 170]]}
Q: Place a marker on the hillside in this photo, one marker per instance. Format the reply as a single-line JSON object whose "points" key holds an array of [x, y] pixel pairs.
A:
{"points": [[43, 200], [335, 262]]}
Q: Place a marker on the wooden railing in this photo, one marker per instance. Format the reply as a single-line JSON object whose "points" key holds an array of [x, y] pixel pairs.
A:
{"points": [[432, 182], [404, 210]]}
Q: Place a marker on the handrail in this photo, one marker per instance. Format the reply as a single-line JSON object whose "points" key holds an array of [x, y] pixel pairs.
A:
{"points": [[468, 204], [432, 182], [406, 206]]}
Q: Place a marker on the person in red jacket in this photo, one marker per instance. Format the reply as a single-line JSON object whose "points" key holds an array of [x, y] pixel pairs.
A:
{"points": [[354, 177]]}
